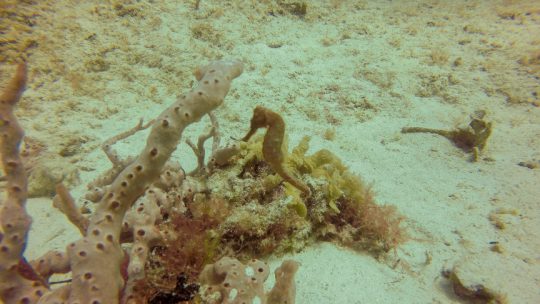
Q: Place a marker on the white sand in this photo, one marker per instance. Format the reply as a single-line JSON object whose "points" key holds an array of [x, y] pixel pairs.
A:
{"points": [[362, 69]]}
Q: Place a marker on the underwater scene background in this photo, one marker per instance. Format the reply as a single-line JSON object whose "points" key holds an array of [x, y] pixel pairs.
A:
{"points": [[370, 151]]}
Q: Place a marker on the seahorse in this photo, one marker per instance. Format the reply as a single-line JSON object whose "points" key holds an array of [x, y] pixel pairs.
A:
{"points": [[273, 139]]}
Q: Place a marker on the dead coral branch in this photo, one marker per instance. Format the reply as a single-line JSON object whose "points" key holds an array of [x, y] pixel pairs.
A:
{"points": [[471, 139]]}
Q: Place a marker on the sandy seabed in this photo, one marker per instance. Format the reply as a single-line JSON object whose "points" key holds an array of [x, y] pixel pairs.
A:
{"points": [[350, 74]]}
